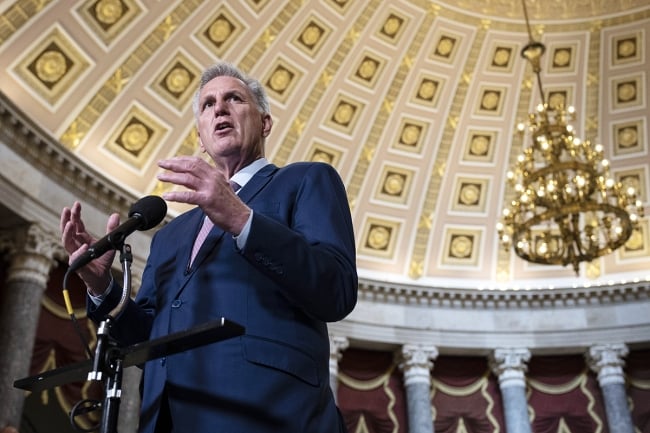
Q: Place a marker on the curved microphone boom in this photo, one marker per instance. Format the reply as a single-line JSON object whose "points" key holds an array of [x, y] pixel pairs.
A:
{"points": [[144, 214]]}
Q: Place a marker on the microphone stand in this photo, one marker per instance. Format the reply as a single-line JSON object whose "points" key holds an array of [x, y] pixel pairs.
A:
{"points": [[108, 359]]}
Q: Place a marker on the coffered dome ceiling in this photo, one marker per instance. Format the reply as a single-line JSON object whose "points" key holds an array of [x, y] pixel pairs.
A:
{"points": [[414, 102]]}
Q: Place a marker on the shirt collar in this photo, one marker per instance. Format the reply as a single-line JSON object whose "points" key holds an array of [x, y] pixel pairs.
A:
{"points": [[245, 174]]}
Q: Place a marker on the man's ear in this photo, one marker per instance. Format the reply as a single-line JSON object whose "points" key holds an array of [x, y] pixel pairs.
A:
{"points": [[267, 124], [201, 146]]}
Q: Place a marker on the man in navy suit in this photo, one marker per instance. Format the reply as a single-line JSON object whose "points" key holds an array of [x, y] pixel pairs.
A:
{"points": [[279, 259]]}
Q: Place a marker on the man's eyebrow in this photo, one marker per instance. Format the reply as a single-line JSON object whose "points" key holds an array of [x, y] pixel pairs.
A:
{"points": [[206, 98], [237, 92]]}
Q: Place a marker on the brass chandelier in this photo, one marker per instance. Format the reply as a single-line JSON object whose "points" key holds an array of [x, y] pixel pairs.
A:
{"points": [[566, 207]]}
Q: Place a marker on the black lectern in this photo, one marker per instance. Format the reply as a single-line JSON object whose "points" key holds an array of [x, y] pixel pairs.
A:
{"points": [[110, 359], [118, 358]]}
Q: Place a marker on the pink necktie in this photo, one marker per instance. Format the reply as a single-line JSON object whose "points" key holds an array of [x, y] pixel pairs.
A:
{"points": [[205, 229]]}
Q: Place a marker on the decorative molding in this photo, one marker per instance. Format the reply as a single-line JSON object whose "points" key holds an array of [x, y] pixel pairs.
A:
{"points": [[463, 298]]}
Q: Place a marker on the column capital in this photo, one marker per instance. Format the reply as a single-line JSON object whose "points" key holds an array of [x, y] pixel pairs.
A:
{"points": [[607, 361], [509, 364], [338, 345], [33, 251], [417, 363]]}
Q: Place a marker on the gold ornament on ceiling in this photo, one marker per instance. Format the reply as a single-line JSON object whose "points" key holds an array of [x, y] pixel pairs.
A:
{"points": [[416, 269], [562, 57], [178, 80], [109, 18], [50, 67], [378, 237], [470, 193], [461, 246], [501, 57], [108, 12], [628, 137], [367, 69], [479, 145], [410, 135], [280, 80], [394, 184], [626, 92], [427, 90], [558, 99], [343, 114], [490, 100], [320, 156], [445, 47], [626, 48], [311, 35], [134, 138], [220, 30], [392, 26]]}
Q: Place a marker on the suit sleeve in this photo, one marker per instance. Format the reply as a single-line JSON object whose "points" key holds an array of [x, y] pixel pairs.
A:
{"points": [[311, 256]]}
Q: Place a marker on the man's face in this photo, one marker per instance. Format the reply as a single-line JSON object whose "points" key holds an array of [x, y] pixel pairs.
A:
{"points": [[231, 129]]}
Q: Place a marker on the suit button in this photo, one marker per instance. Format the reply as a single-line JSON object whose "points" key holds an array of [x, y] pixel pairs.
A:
{"points": [[163, 361], [176, 303]]}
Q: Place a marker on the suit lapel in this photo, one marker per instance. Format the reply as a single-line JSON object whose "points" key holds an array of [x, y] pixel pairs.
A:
{"points": [[248, 191], [257, 182]]}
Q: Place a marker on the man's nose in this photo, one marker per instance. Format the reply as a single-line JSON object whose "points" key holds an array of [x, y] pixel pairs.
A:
{"points": [[220, 107]]}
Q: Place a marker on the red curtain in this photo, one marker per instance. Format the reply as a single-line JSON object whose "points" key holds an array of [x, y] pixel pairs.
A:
{"points": [[563, 394], [371, 392], [638, 391], [465, 396]]}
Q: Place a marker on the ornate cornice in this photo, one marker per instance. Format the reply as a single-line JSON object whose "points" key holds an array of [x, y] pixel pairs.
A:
{"points": [[447, 297]]}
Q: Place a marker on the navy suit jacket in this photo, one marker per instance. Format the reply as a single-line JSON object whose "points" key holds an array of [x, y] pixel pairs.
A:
{"points": [[297, 272]]}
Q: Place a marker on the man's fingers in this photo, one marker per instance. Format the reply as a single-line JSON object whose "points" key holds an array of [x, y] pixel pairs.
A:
{"points": [[188, 197], [182, 164], [65, 218], [187, 180], [113, 222]]}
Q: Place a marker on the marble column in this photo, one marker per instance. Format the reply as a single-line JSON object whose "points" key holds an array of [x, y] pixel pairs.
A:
{"points": [[416, 365], [607, 361], [31, 252], [337, 346], [510, 367]]}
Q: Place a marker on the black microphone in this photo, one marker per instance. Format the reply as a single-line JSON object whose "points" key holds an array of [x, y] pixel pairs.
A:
{"points": [[144, 214]]}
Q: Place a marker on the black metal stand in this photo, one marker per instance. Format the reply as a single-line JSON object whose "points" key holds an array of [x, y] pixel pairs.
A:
{"points": [[105, 361], [110, 360]]}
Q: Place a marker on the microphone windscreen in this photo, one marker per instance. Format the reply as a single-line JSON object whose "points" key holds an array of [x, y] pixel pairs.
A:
{"points": [[151, 210]]}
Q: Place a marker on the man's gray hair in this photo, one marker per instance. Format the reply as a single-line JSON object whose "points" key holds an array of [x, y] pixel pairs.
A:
{"points": [[225, 69]]}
